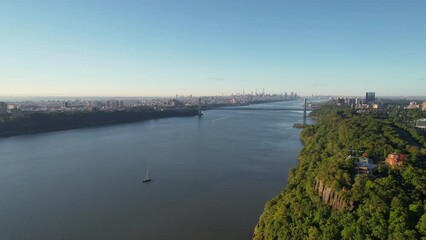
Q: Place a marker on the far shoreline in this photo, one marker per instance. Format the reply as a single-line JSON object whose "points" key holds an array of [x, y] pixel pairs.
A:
{"points": [[36, 123]]}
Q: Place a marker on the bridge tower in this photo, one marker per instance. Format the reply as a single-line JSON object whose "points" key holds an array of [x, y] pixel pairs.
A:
{"points": [[304, 113], [199, 107]]}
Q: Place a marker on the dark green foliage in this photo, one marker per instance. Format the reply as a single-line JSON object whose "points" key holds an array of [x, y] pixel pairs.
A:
{"points": [[46, 122], [390, 205]]}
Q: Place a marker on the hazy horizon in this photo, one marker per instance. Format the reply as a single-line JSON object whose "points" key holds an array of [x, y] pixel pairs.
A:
{"points": [[88, 97], [206, 48]]}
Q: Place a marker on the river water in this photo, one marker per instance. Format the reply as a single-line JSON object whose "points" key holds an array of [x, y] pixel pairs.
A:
{"points": [[210, 177]]}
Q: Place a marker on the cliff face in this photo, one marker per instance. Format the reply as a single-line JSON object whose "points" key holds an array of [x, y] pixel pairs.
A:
{"points": [[329, 197]]}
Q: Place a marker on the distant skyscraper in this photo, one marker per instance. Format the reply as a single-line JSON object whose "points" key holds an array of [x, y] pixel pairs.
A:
{"points": [[64, 104], [113, 103], [89, 104], [357, 101], [340, 101], [3, 107], [370, 97]]}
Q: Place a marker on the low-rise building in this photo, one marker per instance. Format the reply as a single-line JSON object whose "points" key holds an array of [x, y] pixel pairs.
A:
{"points": [[396, 159], [413, 105], [364, 165], [376, 106], [421, 123], [16, 112]]}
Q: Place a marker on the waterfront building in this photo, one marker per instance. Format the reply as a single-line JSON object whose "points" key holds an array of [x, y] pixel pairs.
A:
{"points": [[11, 106]]}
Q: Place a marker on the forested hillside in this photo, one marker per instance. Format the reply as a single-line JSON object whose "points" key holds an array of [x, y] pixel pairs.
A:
{"points": [[55, 121], [326, 198]]}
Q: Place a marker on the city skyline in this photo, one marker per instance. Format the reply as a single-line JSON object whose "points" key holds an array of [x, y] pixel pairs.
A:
{"points": [[164, 48]]}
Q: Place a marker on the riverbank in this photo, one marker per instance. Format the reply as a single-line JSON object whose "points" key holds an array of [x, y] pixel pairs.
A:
{"points": [[328, 196], [57, 121]]}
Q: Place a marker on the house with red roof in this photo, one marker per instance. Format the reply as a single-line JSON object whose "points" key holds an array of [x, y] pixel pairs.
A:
{"points": [[396, 159]]}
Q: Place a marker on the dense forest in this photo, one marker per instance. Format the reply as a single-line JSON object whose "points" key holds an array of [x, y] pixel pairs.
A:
{"points": [[326, 198], [46, 122]]}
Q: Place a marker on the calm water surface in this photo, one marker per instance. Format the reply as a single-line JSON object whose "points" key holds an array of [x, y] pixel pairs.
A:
{"points": [[211, 177]]}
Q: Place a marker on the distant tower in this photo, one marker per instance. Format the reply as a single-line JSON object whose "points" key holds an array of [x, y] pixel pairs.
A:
{"points": [[199, 107], [370, 97], [304, 113]]}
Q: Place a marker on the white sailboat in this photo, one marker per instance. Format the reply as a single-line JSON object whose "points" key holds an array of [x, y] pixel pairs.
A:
{"points": [[146, 179]]}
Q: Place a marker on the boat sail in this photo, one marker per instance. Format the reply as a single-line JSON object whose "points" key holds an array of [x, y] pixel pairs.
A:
{"points": [[146, 179]]}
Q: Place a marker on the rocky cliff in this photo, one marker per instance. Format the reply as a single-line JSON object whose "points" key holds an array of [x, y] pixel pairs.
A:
{"points": [[330, 197]]}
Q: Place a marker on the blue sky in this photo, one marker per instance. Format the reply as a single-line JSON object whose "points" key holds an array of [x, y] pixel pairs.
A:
{"points": [[163, 48]]}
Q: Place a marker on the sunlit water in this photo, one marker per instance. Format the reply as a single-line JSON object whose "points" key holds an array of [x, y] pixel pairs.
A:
{"points": [[211, 177]]}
